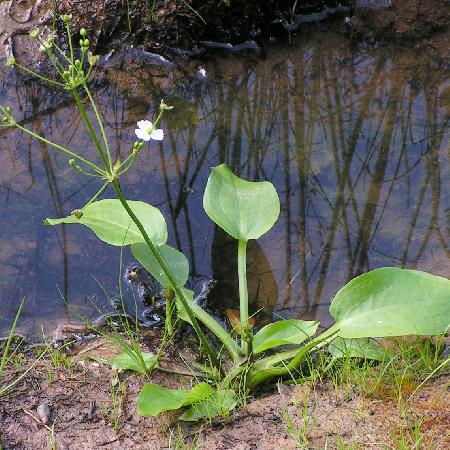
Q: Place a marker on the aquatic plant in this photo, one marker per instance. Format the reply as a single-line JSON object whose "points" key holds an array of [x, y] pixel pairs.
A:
{"points": [[384, 302]]}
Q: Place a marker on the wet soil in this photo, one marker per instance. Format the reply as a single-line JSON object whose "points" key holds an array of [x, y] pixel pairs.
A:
{"points": [[87, 416]]}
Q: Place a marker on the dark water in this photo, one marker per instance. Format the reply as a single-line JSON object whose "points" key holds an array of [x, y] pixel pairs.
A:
{"points": [[354, 138]]}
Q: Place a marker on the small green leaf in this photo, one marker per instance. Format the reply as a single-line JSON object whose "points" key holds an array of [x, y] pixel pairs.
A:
{"points": [[128, 362], [366, 348], [109, 220], [284, 332], [244, 209], [177, 262], [155, 399], [219, 404], [392, 302]]}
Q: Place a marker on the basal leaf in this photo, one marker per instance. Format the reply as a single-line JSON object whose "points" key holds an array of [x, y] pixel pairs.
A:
{"points": [[392, 302], [244, 209], [284, 332], [177, 262], [155, 399], [109, 220], [127, 362], [358, 348], [219, 404]]}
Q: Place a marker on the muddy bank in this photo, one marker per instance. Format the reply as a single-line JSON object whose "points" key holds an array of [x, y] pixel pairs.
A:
{"points": [[191, 25], [91, 408]]}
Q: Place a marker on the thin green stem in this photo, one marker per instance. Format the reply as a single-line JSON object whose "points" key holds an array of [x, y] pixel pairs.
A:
{"points": [[61, 149], [123, 171], [62, 53], [100, 124], [169, 311], [58, 66], [243, 297], [5, 355], [32, 73], [99, 192], [160, 260], [91, 131], [69, 37]]}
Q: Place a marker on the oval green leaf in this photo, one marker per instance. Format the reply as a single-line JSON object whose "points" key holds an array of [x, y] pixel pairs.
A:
{"points": [[392, 302], [244, 209], [366, 348], [284, 332], [127, 362], [155, 399], [219, 404], [175, 260], [109, 220]]}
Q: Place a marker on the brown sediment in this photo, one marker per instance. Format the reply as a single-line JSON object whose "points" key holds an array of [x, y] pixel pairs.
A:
{"points": [[83, 411]]}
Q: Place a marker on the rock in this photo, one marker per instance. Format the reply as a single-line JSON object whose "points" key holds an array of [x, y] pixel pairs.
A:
{"points": [[372, 5], [44, 413]]}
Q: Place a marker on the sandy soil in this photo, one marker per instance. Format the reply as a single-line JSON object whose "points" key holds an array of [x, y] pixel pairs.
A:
{"points": [[86, 416]]}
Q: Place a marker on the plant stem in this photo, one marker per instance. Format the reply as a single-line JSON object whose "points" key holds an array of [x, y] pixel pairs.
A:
{"points": [[60, 148], [100, 123], [256, 377], [91, 131], [97, 194], [160, 260], [243, 297], [34, 74], [5, 356], [169, 310]]}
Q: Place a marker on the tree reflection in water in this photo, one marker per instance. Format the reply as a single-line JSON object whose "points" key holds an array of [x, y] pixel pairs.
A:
{"points": [[354, 139]]}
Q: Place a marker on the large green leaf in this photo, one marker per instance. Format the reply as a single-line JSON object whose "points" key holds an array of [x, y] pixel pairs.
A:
{"points": [[392, 302], [244, 209], [127, 362], [284, 332], [177, 262], [219, 404], [155, 399], [109, 220], [366, 348]]}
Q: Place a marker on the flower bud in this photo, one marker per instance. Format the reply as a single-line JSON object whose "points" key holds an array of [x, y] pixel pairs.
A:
{"points": [[34, 33], [83, 32], [137, 147], [66, 18], [164, 107], [93, 59], [73, 164]]}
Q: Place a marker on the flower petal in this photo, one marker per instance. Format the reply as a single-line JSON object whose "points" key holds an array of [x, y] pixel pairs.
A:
{"points": [[157, 135], [144, 124], [142, 134]]}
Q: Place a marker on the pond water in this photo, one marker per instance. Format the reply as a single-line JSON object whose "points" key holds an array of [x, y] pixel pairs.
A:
{"points": [[354, 137]]}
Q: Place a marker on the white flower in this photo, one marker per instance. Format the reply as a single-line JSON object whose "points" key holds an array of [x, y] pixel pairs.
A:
{"points": [[147, 131], [202, 72]]}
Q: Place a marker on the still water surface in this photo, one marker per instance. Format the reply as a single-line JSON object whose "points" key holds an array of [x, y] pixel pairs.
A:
{"points": [[355, 139]]}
